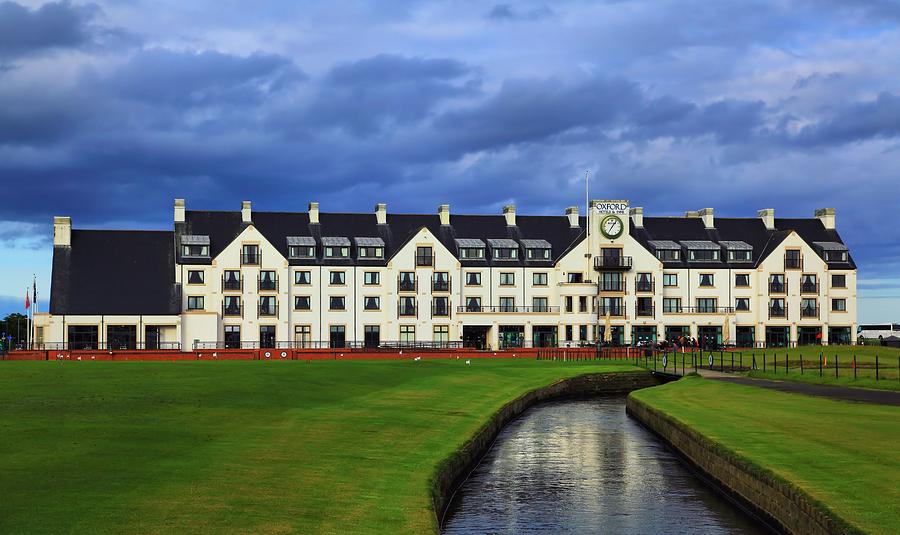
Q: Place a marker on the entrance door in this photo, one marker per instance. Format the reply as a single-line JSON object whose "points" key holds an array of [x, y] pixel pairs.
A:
{"points": [[512, 336], [475, 336], [709, 337], [643, 335], [744, 336], [371, 335], [151, 337], [543, 336], [777, 336], [808, 336], [267, 336]]}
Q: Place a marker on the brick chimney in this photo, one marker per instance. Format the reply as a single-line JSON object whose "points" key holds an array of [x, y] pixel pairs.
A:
{"points": [[572, 214], [706, 214], [314, 212], [637, 216], [444, 214], [768, 217], [381, 213], [62, 231], [826, 216], [509, 212], [246, 212], [179, 210]]}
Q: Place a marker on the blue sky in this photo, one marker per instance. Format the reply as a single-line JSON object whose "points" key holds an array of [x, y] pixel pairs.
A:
{"points": [[110, 109]]}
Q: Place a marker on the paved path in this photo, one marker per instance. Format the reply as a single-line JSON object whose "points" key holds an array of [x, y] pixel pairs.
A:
{"points": [[843, 393]]}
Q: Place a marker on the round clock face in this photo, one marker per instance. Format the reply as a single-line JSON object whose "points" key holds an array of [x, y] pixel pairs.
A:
{"points": [[611, 227]]}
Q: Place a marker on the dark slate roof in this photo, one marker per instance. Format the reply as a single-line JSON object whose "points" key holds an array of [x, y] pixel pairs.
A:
{"points": [[751, 231], [223, 228], [115, 272]]}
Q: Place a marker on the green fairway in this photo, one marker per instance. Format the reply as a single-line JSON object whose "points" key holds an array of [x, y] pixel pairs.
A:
{"points": [[251, 447], [844, 455]]}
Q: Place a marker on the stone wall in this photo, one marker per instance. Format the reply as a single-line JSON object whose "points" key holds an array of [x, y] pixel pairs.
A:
{"points": [[775, 501], [451, 474]]}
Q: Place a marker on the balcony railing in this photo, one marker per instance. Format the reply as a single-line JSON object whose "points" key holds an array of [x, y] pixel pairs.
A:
{"points": [[231, 285], [233, 310], [697, 310], [386, 345], [268, 311], [809, 288], [508, 309], [793, 262], [406, 310], [778, 287], [251, 259], [440, 286], [115, 345], [778, 312], [809, 312], [645, 311], [614, 312], [407, 285], [612, 262], [645, 286], [424, 260], [267, 285]]}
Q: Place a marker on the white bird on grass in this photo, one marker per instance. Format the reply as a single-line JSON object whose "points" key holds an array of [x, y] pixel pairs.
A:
{"points": [[468, 362]]}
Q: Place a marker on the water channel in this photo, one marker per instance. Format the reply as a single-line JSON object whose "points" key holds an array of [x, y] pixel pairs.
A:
{"points": [[585, 467]]}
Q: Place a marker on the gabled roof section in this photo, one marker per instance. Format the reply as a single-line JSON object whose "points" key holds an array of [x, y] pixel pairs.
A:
{"points": [[701, 245], [301, 241], [473, 243], [502, 243], [368, 242], [115, 272], [535, 244], [335, 241], [736, 245]]}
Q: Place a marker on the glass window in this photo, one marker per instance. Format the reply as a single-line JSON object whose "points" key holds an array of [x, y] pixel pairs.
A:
{"points": [[671, 305], [337, 336], [372, 278], [267, 281], [611, 281], [539, 279], [372, 303], [232, 337], [441, 281], [232, 305], [337, 278], [303, 335], [268, 306], [250, 254], [336, 303], [706, 305], [473, 304], [407, 334], [835, 256], [370, 252], [507, 304], [442, 334], [706, 279], [195, 277], [582, 303], [740, 256], [301, 251], [839, 281], [121, 337], [742, 304], [471, 253], [440, 306], [670, 279], [576, 277], [505, 254], [537, 254], [668, 255], [301, 302], [407, 306], [703, 255], [333, 251], [839, 305], [539, 304], [195, 250], [507, 279], [371, 335], [231, 280], [568, 333], [569, 304], [266, 336], [195, 302], [473, 278], [742, 279], [424, 256], [302, 277], [407, 281]]}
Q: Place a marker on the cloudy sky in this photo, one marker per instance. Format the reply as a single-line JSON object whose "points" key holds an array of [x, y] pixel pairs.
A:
{"points": [[110, 109]]}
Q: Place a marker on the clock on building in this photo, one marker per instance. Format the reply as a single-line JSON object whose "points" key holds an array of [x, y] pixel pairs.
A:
{"points": [[611, 227]]}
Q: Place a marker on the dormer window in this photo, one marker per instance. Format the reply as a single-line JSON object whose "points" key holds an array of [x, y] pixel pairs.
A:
{"points": [[832, 251], [470, 249], [369, 248], [301, 247], [504, 249], [666, 251], [537, 249], [336, 247], [194, 246], [738, 251], [835, 256], [702, 251]]}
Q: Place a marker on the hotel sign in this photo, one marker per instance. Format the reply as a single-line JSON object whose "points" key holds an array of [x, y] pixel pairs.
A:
{"points": [[611, 207]]}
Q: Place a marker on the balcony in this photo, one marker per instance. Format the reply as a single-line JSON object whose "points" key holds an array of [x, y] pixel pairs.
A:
{"points": [[645, 311], [697, 310], [268, 310], [440, 285], [505, 309], [793, 262], [232, 310], [251, 259], [778, 312], [645, 286], [406, 285], [613, 312], [424, 260], [267, 285], [809, 312], [778, 287], [809, 288], [406, 310], [231, 285], [612, 263]]}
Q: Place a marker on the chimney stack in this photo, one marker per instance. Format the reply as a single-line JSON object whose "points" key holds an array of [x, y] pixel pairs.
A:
{"points": [[768, 217], [707, 215], [314, 212], [692, 213], [509, 212], [637, 216], [572, 214], [826, 216], [179, 210], [381, 213], [444, 214], [246, 212], [62, 231]]}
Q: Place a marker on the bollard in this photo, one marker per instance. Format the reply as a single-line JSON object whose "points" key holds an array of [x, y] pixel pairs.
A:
{"points": [[820, 365], [764, 362], [854, 367], [801, 363], [876, 367], [835, 366], [732, 362], [786, 357]]}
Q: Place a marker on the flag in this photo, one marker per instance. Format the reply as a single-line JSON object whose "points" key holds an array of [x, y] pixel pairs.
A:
{"points": [[34, 290], [27, 302]]}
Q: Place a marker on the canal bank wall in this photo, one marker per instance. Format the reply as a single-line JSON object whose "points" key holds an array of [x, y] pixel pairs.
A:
{"points": [[775, 501], [452, 473]]}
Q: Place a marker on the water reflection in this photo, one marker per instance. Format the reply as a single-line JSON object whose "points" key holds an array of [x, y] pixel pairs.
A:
{"points": [[585, 467]]}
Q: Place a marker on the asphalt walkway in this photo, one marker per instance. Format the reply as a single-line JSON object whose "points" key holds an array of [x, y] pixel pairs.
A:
{"points": [[842, 393]]}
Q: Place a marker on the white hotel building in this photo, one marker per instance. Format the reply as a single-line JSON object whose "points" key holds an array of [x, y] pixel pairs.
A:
{"points": [[308, 279]]}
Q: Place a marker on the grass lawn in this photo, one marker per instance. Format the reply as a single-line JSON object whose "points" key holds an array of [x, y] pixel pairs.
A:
{"points": [[251, 447], [843, 454]]}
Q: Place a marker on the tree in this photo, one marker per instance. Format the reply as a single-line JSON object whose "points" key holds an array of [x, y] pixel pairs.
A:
{"points": [[15, 325]]}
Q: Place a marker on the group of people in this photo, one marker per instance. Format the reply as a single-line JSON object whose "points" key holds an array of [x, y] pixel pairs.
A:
{"points": [[678, 343]]}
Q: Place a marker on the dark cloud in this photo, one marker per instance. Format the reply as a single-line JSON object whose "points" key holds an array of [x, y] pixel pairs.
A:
{"points": [[506, 12], [857, 121]]}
